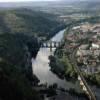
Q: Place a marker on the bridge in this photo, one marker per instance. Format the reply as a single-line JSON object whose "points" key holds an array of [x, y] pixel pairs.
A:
{"points": [[50, 44]]}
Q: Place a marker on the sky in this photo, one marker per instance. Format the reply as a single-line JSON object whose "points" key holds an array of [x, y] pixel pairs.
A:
{"points": [[24, 0], [40, 0], [36, 0]]}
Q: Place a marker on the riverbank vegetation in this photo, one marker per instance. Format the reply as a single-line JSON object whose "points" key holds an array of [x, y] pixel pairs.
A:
{"points": [[93, 79], [62, 68]]}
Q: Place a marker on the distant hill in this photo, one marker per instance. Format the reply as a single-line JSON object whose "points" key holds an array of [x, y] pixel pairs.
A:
{"points": [[28, 22], [89, 4]]}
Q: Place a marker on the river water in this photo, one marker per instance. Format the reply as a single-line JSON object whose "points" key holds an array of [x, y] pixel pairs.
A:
{"points": [[41, 66]]}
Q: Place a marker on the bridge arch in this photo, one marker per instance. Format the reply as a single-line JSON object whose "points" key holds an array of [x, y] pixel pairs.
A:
{"points": [[50, 44]]}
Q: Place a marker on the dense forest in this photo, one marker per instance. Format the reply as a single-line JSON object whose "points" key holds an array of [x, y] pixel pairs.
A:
{"points": [[20, 30], [29, 22]]}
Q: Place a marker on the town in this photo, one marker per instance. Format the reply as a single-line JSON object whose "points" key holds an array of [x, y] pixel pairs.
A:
{"points": [[88, 52]]}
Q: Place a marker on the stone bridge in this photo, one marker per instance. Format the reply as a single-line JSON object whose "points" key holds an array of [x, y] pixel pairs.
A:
{"points": [[50, 44]]}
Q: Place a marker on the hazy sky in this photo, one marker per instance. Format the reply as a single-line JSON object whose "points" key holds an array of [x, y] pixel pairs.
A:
{"points": [[41, 0], [24, 0]]}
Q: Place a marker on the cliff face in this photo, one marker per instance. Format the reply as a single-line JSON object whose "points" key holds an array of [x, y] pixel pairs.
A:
{"points": [[31, 50], [16, 76]]}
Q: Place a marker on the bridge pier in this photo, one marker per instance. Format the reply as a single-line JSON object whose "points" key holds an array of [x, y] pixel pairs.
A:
{"points": [[55, 44], [46, 45], [50, 46]]}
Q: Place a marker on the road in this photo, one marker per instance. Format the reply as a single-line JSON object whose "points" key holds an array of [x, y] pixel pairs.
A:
{"points": [[73, 59]]}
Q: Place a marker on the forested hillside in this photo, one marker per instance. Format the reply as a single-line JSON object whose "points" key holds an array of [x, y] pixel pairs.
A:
{"points": [[16, 76], [19, 33], [28, 22]]}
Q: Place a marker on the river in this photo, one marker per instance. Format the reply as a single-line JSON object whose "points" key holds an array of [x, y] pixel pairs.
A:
{"points": [[42, 70]]}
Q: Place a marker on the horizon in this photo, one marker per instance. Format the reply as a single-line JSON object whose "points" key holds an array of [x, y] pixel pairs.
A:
{"points": [[8, 1], [18, 1]]}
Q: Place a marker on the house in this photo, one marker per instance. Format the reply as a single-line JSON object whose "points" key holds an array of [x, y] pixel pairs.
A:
{"points": [[95, 46], [77, 27], [83, 47], [83, 53]]}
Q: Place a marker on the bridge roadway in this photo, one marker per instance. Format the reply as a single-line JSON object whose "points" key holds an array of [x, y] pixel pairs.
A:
{"points": [[90, 93]]}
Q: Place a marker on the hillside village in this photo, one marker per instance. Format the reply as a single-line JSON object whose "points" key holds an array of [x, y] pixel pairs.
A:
{"points": [[88, 52]]}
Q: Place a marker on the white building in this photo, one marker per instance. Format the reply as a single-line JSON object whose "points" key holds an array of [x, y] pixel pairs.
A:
{"points": [[95, 46]]}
